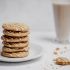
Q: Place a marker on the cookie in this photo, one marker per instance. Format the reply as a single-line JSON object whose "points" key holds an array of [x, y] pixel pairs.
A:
{"points": [[15, 26], [15, 33], [62, 61], [15, 55], [7, 49], [14, 39], [17, 44]]}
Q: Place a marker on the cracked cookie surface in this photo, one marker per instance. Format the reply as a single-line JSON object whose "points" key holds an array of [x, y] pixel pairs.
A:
{"points": [[15, 26]]}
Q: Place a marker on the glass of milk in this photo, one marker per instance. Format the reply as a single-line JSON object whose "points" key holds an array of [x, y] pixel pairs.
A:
{"points": [[61, 9]]}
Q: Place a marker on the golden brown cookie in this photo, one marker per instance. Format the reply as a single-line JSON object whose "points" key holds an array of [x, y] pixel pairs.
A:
{"points": [[16, 26], [15, 33], [17, 44], [62, 61], [14, 39], [7, 49], [15, 55]]}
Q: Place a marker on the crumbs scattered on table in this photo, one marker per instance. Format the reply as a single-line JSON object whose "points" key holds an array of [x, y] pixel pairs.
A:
{"points": [[57, 49], [61, 60], [55, 53]]}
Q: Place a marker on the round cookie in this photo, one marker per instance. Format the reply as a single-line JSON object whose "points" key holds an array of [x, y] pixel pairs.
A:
{"points": [[15, 55], [7, 49], [12, 33], [14, 39], [18, 45], [15, 26]]}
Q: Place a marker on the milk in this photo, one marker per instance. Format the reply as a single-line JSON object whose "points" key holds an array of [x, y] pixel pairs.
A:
{"points": [[62, 20]]}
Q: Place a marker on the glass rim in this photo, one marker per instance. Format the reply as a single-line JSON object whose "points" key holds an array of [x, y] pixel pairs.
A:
{"points": [[61, 3]]}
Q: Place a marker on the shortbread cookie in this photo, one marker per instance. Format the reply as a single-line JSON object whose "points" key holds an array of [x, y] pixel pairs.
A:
{"points": [[14, 39], [17, 44], [6, 49], [15, 33], [15, 55], [16, 26]]}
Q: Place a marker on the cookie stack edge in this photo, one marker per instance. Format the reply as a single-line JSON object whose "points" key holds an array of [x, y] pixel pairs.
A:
{"points": [[15, 40]]}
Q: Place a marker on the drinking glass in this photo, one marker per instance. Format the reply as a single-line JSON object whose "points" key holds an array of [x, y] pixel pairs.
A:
{"points": [[61, 10]]}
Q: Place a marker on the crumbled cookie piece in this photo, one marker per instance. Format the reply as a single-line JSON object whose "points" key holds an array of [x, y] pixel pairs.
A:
{"points": [[62, 61]]}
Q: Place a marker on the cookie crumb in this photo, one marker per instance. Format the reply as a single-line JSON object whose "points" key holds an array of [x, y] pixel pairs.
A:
{"points": [[55, 53], [57, 49]]}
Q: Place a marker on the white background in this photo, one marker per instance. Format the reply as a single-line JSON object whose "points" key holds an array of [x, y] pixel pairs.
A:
{"points": [[38, 14]]}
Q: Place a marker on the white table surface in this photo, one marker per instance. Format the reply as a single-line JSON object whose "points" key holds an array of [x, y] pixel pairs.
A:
{"points": [[46, 40]]}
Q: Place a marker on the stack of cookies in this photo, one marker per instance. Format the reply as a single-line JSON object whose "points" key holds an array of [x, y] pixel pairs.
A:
{"points": [[15, 40]]}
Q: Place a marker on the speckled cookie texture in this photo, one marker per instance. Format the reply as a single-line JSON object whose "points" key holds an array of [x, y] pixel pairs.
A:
{"points": [[15, 26], [15, 54], [8, 49], [15, 40], [15, 33], [16, 44]]}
